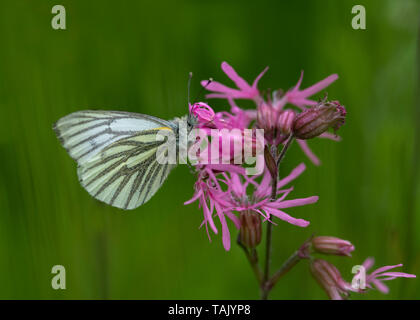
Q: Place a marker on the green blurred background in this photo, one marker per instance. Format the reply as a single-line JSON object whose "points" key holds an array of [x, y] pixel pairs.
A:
{"points": [[135, 56]]}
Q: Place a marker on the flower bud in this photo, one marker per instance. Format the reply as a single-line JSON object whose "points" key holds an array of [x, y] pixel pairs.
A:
{"points": [[329, 278], [316, 120], [270, 163], [251, 229], [202, 112], [266, 118], [285, 121], [276, 124], [332, 245]]}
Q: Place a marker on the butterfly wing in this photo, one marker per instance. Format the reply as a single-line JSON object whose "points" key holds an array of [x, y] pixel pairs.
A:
{"points": [[85, 133], [116, 154]]}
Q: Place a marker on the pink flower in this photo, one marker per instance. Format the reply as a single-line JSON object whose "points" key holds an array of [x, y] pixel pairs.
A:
{"points": [[329, 278], [314, 121], [236, 119], [212, 199], [261, 203], [337, 288], [244, 91], [202, 112], [382, 274], [303, 144], [224, 193], [294, 96], [332, 245], [300, 97], [207, 118]]}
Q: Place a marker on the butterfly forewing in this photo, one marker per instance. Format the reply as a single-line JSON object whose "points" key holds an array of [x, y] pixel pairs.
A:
{"points": [[84, 133], [116, 154]]}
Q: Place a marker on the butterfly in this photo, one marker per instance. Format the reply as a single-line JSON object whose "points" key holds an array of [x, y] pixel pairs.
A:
{"points": [[116, 153]]}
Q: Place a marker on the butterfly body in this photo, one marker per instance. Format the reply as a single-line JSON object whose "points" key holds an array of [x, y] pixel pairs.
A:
{"points": [[116, 154]]}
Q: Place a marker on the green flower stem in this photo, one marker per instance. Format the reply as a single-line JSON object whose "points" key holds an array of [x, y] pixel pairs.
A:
{"points": [[265, 288], [287, 265], [253, 261]]}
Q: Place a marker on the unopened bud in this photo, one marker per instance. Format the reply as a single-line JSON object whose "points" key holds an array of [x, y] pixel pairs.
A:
{"points": [[270, 163], [202, 112], [266, 117], [251, 229], [285, 121], [316, 120], [332, 245], [329, 278]]}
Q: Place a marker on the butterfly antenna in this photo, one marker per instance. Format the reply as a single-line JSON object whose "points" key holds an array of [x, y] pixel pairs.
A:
{"points": [[189, 85], [203, 87]]}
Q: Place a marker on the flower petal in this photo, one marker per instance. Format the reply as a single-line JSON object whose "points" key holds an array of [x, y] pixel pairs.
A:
{"points": [[380, 286], [293, 203], [231, 73], [308, 152], [296, 172], [255, 83], [386, 268], [319, 86], [285, 217], [225, 229], [368, 263]]}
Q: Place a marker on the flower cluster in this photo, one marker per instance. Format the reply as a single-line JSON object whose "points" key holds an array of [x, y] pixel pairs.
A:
{"points": [[273, 112], [224, 190], [329, 277]]}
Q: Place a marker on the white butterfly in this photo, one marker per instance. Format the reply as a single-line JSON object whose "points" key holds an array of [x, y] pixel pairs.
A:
{"points": [[116, 154]]}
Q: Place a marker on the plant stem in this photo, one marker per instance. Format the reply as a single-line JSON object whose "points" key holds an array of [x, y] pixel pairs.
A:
{"points": [[253, 261], [265, 289], [283, 151], [287, 265], [264, 292]]}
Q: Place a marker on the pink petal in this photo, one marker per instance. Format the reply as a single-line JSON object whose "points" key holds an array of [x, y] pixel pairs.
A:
{"points": [[264, 189], [221, 95], [296, 88], [380, 286], [255, 83], [225, 229], [217, 87], [231, 73], [331, 136], [319, 86], [296, 172], [397, 275], [368, 263], [301, 102], [308, 152], [208, 216], [382, 269], [285, 217], [285, 194], [227, 167], [194, 198], [234, 219], [293, 203]]}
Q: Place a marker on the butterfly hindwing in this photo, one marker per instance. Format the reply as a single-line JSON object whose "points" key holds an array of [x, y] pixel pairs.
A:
{"points": [[125, 174]]}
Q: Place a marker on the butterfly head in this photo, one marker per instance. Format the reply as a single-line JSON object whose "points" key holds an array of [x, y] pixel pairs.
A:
{"points": [[192, 121], [199, 112]]}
